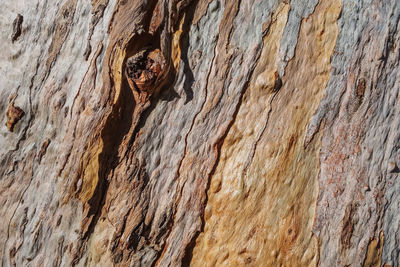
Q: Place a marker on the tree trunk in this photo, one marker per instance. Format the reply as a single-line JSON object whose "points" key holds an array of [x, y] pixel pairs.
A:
{"points": [[202, 133]]}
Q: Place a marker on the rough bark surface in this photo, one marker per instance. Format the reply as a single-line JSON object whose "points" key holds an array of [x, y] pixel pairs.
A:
{"points": [[200, 132]]}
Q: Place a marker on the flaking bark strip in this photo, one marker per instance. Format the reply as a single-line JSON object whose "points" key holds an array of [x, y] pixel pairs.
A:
{"points": [[14, 115], [97, 13], [64, 23], [43, 149], [17, 27], [348, 227]]}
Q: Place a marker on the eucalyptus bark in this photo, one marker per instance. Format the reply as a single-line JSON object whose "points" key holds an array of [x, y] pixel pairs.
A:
{"points": [[202, 133]]}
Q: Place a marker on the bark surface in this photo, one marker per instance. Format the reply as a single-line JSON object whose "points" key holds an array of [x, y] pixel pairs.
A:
{"points": [[201, 133]]}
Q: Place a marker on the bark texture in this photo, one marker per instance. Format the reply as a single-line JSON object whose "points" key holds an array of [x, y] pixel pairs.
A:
{"points": [[200, 132]]}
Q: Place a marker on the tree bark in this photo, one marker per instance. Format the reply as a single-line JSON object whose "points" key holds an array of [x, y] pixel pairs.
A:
{"points": [[201, 133]]}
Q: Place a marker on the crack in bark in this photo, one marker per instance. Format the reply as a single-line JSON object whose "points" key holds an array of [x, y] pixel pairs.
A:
{"points": [[254, 146], [217, 148], [84, 80], [15, 211], [97, 13], [186, 259], [92, 65], [185, 151], [63, 23]]}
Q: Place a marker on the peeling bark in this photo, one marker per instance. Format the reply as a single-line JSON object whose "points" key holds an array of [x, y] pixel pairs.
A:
{"points": [[203, 133]]}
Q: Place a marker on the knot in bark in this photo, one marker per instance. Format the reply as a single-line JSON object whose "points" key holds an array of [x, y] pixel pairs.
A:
{"points": [[144, 70]]}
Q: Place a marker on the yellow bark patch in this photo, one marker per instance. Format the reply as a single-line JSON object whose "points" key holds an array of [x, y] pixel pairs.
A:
{"points": [[90, 172], [116, 70], [262, 196], [176, 48], [374, 252]]}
